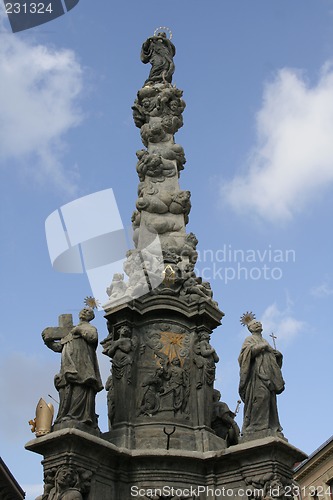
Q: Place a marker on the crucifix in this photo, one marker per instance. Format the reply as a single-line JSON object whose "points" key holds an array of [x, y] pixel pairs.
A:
{"points": [[65, 324], [273, 337]]}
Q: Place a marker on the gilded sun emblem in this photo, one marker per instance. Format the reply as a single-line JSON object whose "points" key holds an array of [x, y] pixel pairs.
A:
{"points": [[173, 344], [247, 318], [92, 302]]}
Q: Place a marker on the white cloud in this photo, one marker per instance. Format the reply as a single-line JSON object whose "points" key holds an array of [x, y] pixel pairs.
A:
{"points": [[322, 290], [292, 161], [39, 91], [281, 323]]}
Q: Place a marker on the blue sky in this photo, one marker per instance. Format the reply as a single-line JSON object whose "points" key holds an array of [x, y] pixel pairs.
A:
{"points": [[258, 82]]}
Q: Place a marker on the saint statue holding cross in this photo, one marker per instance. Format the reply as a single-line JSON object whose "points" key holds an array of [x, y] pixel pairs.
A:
{"points": [[260, 381], [79, 379]]}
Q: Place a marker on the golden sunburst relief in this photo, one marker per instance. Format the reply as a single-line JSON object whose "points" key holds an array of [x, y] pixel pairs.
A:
{"points": [[174, 345], [247, 318], [92, 302]]}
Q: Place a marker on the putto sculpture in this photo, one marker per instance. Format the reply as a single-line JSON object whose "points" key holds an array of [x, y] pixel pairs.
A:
{"points": [[260, 381]]}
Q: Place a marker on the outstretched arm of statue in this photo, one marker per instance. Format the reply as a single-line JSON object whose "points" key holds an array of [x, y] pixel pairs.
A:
{"points": [[54, 345]]}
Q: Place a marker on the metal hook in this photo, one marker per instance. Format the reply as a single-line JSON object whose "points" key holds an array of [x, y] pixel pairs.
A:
{"points": [[169, 434]]}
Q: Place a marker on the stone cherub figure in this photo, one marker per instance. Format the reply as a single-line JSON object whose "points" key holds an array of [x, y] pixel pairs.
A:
{"points": [[79, 378], [159, 51], [260, 381]]}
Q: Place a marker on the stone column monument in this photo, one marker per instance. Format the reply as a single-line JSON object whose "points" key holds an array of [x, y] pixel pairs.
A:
{"points": [[163, 366], [169, 435]]}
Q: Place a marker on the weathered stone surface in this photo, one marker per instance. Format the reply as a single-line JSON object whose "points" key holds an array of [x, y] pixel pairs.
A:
{"points": [[66, 483], [223, 422], [260, 381], [258, 469], [165, 374], [79, 379], [162, 208], [159, 52]]}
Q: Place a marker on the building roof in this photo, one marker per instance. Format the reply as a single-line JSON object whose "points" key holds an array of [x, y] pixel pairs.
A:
{"points": [[317, 457], [9, 487]]}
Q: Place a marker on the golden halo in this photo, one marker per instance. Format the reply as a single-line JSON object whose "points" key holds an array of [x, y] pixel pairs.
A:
{"points": [[247, 318], [92, 302]]}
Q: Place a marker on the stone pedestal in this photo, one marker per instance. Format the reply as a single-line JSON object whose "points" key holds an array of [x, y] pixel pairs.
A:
{"points": [[161, 379], [257, 469]]}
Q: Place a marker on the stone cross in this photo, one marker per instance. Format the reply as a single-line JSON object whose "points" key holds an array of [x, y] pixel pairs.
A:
{"points": [[65, 323], [273, 337], [239, 402]]}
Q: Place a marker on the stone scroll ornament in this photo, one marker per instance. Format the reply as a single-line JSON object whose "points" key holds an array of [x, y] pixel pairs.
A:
{"points": [[79, 379], [260, 381]]}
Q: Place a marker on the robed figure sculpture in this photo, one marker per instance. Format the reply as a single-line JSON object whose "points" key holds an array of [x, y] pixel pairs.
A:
{"points": [[79, 379], [260, 381]]}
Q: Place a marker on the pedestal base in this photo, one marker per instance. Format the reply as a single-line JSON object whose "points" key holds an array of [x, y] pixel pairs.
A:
{"points": [[249, 470]]}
